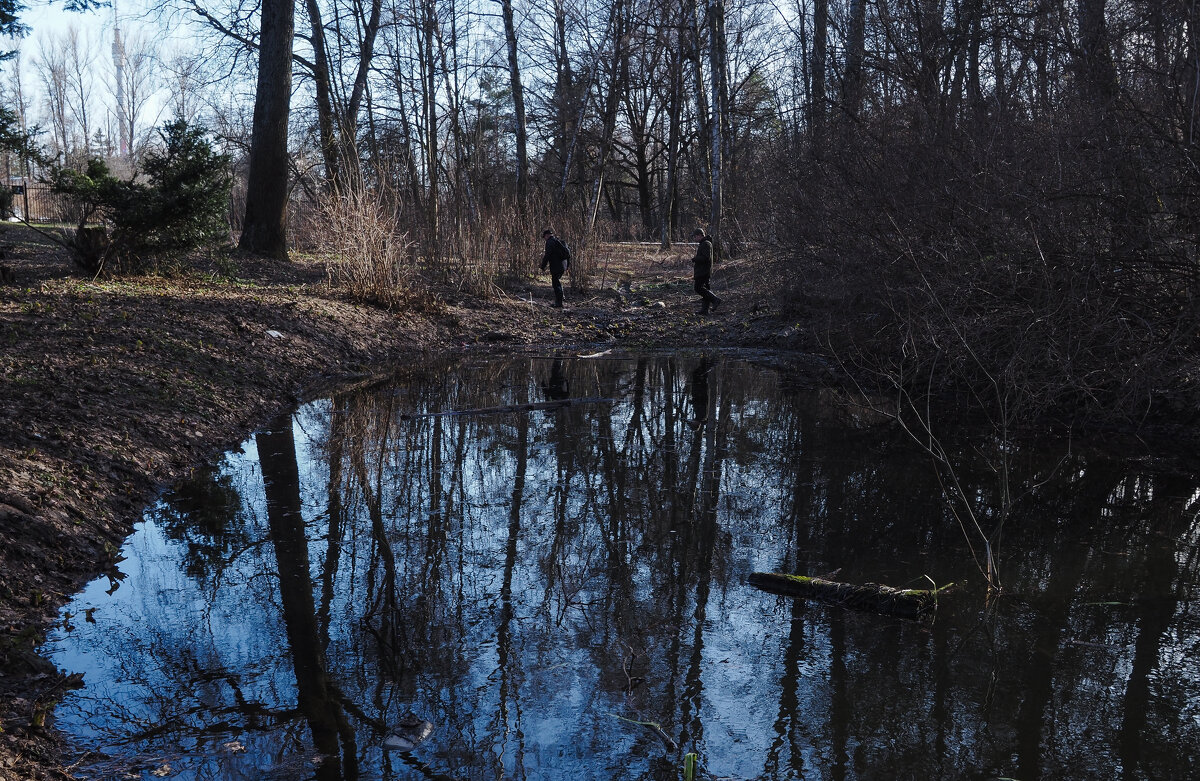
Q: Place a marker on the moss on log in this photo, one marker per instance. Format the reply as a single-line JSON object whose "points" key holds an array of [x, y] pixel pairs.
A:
{"points": [[903, 602]]}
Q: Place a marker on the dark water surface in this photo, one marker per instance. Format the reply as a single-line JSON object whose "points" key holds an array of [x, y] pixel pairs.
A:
{"points": [[534, 584]]}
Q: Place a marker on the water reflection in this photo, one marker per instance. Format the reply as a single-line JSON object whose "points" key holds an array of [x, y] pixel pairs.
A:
{"points": [[561, 594]]}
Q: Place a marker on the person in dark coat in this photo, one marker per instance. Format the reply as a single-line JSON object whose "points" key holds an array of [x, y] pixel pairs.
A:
{"points": [[558, 258], [702, 270]]}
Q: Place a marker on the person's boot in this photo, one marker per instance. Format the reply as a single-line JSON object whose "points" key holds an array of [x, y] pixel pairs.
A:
{"points": [[557, 300], [704, 307], [716, 303]]}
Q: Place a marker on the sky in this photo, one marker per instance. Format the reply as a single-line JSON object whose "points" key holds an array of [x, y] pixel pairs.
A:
{"points": [[43, 17], [48, 21]]}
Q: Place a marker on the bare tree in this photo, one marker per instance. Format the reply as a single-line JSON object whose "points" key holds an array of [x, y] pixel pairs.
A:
{"points": [[264, 228], [563, 110], [674, 101], [15, 96], [518, 94], [816, 106], [133, 83], [51, 67], [80, 59], [184, 79], [342, 46], [716, 58], [615, 70], [852, 73]]}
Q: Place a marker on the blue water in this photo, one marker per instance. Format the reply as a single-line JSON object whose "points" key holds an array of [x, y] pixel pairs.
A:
{"points": [[534, 583]]}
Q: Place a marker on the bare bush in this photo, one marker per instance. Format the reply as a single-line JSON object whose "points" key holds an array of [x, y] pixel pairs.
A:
{"points": [[498, 248], [504, 245], [1011, 270], [366, 255]]}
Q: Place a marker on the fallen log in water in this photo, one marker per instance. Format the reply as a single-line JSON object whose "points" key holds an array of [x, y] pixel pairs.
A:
{"points": [[530, 407], [903, 602]]}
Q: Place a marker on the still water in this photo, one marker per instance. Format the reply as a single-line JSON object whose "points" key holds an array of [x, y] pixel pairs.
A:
{"points": [[375, 589]]}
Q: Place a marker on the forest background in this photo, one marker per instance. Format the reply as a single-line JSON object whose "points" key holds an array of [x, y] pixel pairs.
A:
{"points": [[994, 201], [971, 204]]}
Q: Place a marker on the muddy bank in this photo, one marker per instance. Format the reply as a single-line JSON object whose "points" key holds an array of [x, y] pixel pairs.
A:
{"points": [[114, 388]]}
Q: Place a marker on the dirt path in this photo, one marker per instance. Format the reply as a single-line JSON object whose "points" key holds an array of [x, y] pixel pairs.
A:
{"points": [[111, 389]]}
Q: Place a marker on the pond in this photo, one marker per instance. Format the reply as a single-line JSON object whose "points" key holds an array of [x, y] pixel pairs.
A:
{"points": [[460, 576]]}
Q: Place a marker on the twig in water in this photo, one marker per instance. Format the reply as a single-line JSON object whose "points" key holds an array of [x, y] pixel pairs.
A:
{"points": [[654, 727]]}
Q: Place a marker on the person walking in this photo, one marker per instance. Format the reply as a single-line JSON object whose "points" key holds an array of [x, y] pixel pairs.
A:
{"points": [[702, 270], [558, 258]]}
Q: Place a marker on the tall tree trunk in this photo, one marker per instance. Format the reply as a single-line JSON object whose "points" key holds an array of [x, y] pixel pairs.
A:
{"points": [[855, 49], [518, 96], [616, 85], [346, 117], [462, 186], [716, 59], [314, 689], [1128, 193], [1191, 76], [999, 72], [358, 92], [373, 150], [930, 43], [429, 106], [1041, 64], [674, 110], [564, 109], [977, 108], [326, 122], [696, 23], [264, 229], [642, 166], [1097, 73], [411, 143], [816, 107]]}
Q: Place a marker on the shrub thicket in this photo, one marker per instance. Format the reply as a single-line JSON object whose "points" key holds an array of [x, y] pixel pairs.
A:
{"points": [[1039, 273], [179, 202]]}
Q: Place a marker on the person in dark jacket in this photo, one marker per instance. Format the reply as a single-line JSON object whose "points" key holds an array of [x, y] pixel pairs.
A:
{"points": [[702, 270], [558, 258]]}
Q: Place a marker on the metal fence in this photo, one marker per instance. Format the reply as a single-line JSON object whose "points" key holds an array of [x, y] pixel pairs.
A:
{"points": [[34, 201]]}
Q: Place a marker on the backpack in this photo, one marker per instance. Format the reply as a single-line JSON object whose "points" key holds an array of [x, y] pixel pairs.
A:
{"points": [[564, 252]]}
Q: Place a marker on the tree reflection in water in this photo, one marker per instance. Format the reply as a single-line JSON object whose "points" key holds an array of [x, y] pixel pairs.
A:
{"points": [[545, 586]]}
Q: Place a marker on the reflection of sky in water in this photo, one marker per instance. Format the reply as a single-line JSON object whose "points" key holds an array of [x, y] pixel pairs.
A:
{"points": [[628, 598]]}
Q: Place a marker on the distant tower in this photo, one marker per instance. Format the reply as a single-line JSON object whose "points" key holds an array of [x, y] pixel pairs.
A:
{"points": [[118, 53]]}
